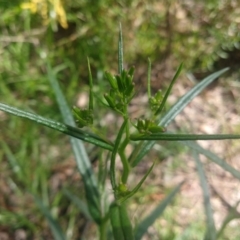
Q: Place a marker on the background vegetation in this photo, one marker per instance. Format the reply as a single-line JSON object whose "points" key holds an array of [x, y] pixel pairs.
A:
{"points": [[202, 34]]}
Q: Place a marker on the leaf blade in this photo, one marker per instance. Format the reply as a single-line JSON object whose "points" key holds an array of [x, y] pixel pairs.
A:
{"points": [[182, 137], [159, 110], [188, 97], [223, 164], [211, 229], [120, 50], [148, 221], [58, 126], [176, 109], [54, 225], [81, 157]]}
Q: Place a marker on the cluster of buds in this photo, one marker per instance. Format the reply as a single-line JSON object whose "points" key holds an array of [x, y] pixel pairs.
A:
{"points": [[122, 90], [147, 126], [156, 101], [83, 117]]}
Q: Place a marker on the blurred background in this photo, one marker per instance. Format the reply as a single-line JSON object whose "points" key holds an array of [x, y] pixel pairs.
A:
{"points": [[204, 35]]}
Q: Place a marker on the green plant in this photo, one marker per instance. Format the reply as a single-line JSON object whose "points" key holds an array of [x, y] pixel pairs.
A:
{"points": [[145, 131]]}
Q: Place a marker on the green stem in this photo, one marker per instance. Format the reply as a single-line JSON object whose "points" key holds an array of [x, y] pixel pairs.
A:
{"points": [[125, 163], [114, 154], [102, 230], [126, 166]]}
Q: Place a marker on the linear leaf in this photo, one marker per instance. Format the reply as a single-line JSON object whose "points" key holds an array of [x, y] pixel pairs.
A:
{"points": [[79, 203], [182, 137], [159, 110], [232, 215], [213, 157], [120, 50], [211, 230], [83, 162], [90, 87], [149, 79], [61, 127], [142, 228], [135, 189], [54, 225], [176, 109], [188, 97]]}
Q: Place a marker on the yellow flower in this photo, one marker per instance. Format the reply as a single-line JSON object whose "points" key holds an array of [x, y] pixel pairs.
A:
{"points": [[49, 10], [60, 12], [30, 6]]}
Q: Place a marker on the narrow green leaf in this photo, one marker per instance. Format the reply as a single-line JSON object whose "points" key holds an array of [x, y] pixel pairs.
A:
{"points": [[83, 162], [213, 157], [90, 86], [181, 137], [111, 79], [211, 230], [149, 79], [176, 109], [54, 225], [142, 228], [233, 214], [110, 101], [188, 97], [120, 84], [132, 192], [131, 72], [60, 127], [123, 77], [169, 90], [16, 167], [120, 50], [103, 170], [79, 203]]}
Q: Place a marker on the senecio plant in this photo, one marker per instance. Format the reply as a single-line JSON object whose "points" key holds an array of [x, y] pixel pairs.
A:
{"points": [[143, 131]]}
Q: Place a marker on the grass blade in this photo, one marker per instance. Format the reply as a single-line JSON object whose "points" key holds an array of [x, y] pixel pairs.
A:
{"points": [[79, 203], [233, 214], [211, 230], [176, 109], [223, 164], [90, 87], [55, 227], [13, 162], [120, 50], [61, 127], [159, 110], [188, 97], [149, 79], [138, 185], [141, 229], [83, 162], [183, 137]]}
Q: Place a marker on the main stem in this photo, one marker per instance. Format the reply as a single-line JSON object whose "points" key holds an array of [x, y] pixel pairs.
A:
{"points": [[102, 230]]}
